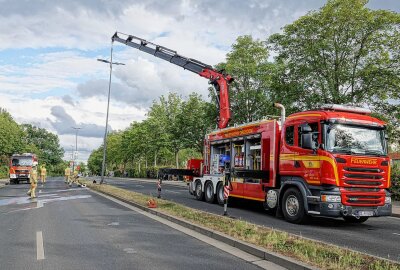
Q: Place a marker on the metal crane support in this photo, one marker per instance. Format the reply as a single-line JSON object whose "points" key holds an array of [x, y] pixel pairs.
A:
{"points": [[218, 79]]}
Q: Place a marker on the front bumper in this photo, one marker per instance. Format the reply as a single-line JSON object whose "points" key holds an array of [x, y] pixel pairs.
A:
{"points": [[340, 210]]}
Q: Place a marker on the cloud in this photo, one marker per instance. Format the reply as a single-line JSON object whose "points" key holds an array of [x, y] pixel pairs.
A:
{"points": [[68, 100], [64, 123], [142, 81]]}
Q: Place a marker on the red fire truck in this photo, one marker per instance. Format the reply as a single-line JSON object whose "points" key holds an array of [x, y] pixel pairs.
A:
{"points": [[327, 162], [20, 167], [331, 161]]}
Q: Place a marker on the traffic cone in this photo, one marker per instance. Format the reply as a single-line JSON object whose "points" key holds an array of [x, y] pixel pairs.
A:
{"points": [[152, 203]]}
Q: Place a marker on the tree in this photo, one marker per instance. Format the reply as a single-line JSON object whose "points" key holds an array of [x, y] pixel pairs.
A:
{"points": [[44, 143], [95, 161], [248, 64], [11, 135], [194, 121], [167, 111], [343, 53]]}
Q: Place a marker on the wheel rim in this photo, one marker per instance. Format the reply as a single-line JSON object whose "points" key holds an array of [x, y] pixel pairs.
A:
{"points": [[221, 194], [209, 191], [292, 205], [198, 190]]}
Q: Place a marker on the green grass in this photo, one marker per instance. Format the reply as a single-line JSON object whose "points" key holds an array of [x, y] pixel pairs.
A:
{"points": [[311, 252]]}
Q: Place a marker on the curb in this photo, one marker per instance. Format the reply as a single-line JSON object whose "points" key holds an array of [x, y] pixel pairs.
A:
{"points": [[273, 257]]}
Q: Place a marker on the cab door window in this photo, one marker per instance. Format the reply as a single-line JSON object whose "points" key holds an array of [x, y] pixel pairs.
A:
{"points": [[289, 135], [314, 128]]}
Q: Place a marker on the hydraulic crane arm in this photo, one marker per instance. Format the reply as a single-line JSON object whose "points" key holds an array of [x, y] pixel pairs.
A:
{"points": [[218, 79]]}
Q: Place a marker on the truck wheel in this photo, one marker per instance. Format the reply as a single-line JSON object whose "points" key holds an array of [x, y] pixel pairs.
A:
{"points": [[293, 206], [209, 192], [220, 193], [198, 193], [17, 182], [351, 219]]}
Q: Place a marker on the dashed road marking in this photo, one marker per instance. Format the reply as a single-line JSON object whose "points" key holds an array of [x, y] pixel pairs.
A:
{"points": [[397, 234], [39, 246]]}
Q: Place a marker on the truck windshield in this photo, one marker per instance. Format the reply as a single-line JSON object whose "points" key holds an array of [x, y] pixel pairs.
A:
{"points": [[23, 161], [355, 140]]}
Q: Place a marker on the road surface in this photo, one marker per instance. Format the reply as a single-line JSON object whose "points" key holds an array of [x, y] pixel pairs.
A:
{"points": [[77, 229], [377, 236]]}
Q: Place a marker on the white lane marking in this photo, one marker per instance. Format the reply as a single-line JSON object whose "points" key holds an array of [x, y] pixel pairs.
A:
{"points": [[130, 250], [170, 191], [39, 204], [65, 190], [139, 186], [113, 224], [39, 246], [397, 234], [394, 218], [23, 209]]}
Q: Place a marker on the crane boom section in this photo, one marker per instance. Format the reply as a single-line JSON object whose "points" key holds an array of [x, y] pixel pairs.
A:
{"points": [[219, 80]]}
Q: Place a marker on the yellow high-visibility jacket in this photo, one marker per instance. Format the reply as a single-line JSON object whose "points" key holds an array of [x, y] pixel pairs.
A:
{"points": [[33, 176]]}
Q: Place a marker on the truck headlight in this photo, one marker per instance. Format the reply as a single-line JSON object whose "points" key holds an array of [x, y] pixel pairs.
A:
{"points": [[388, 200], [331, 198], [13, 175]]}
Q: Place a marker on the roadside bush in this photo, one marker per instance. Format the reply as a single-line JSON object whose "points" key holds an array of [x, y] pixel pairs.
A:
{"points": [[395, 179], [3, 172]]}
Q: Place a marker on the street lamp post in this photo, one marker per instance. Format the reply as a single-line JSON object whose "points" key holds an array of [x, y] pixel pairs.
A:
{"points": [[111, 63], [76, 146]]}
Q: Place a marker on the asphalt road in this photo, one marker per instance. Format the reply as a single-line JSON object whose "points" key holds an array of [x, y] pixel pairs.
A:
{"points": [[377, 236], [77, 229]]}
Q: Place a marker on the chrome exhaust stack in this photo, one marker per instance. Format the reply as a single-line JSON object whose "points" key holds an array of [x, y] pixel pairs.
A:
{"points": [[283, 112]]}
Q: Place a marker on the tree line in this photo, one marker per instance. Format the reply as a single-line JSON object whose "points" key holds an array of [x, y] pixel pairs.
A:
{"points": [[343, 53], [26, 138]]}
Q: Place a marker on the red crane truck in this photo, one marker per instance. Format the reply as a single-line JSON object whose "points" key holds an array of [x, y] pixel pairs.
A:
{"points": [[331, 161], [20, 167]]}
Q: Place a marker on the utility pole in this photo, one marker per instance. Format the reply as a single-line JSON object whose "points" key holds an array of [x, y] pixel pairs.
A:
{"points": [[76, 146], [111, 63]]}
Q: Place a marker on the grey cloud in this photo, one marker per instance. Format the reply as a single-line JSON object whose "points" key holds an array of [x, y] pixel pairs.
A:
{"points": [[64, 123], [68, 99], [130, 95]]}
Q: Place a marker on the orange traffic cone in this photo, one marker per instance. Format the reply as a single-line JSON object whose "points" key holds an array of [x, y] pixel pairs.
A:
{"points": [[152, 203]]}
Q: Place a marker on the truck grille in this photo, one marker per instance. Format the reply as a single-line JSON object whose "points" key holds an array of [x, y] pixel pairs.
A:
{"points": [[363, 198], [363, 177]]}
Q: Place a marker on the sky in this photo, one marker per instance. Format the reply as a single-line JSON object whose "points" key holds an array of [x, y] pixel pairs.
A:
{"points": [[49, 76]]}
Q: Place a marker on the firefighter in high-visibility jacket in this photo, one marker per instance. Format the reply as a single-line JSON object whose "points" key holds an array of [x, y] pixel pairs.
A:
{"points": [[43, 174], [67, 174], [33, 180], [74, 178]]}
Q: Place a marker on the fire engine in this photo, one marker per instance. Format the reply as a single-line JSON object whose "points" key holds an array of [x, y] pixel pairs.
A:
{"points": [[20, 167], [331, 161]]}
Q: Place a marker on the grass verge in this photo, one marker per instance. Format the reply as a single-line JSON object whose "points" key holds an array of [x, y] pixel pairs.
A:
{"points": [[314, 253]]}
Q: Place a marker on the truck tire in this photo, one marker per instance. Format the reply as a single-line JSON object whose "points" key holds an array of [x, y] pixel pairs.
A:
{"points": [[293, 206], [198, 193], [220, 193], [351, 219], [209, 192]]}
